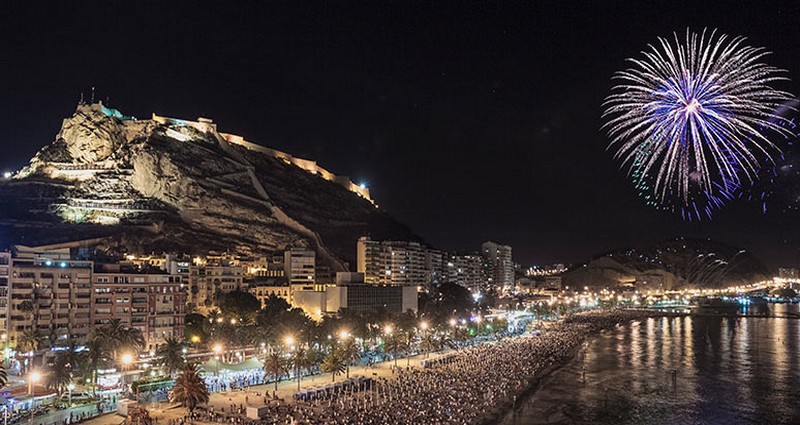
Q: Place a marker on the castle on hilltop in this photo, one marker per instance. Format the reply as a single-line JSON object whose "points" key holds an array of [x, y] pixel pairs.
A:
{"points": [[207, 125]]}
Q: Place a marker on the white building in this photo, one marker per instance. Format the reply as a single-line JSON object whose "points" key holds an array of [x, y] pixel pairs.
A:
{"points": [[500, 263], [299, 265], [393, 263]]}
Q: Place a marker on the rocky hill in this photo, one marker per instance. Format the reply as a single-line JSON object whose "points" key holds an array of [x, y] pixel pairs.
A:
{"points": [[165, 184], [670, 264]]}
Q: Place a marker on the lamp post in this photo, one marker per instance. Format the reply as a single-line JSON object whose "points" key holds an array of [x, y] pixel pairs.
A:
{"points": [[33, 378], [70, 387], [127, 360], [5, 348], [424, 327], [289, 341], [217, 351]]}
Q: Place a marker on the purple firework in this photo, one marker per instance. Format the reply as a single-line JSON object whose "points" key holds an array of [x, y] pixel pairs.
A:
{"points": [[691, 121]]}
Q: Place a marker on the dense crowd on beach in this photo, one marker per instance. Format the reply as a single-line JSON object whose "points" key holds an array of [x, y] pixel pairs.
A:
{"points": [[460, 388]]}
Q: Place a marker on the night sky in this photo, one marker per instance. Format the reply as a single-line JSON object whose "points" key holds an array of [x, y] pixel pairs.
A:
{"points": [[469, 122]]}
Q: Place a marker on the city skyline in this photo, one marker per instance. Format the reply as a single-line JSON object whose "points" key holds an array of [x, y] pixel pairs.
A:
{"points": [[498, 133], [400, 213]]}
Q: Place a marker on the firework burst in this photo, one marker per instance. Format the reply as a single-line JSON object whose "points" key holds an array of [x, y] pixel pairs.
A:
{"points": [[691, 120]]}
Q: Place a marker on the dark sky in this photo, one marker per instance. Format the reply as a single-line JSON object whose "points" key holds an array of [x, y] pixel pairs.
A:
{"points": [[468, 121]]}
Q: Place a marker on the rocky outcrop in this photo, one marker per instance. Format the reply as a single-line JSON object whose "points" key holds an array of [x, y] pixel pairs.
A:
{"points": [[669, 264], [177, 185]]}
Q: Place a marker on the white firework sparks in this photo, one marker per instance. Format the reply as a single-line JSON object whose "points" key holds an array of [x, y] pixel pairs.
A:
{"points": [[691, 120]]}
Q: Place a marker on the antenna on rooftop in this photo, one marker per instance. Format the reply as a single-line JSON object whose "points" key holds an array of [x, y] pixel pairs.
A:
{"points": [[81, 102], [92, 94]]}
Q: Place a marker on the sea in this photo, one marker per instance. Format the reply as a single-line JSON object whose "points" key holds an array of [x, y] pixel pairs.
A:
{"points": [[680, 370]]}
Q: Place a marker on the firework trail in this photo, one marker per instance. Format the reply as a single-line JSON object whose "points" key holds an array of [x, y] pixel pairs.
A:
{"points": [[691, 121]]}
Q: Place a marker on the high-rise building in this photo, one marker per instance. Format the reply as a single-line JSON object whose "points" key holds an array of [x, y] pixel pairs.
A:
{"points": [[5, 275], [465, 270], [372, 260], [153, 302], [435, 265], [393, 263], [50, 293], [499, 264], [300, 266]]}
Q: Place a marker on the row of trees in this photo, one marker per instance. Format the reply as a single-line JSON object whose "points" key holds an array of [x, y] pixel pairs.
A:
{"points": [[240, 319], [109, 344]]}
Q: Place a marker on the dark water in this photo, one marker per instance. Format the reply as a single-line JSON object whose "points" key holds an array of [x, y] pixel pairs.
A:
{"points": [[726, 371]]}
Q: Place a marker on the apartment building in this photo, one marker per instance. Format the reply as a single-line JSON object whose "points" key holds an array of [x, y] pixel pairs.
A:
{"points": [[50, 293], [154, 303]]}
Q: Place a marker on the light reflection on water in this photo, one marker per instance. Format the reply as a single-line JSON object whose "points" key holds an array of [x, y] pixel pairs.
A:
{"points": [[726, 371]]}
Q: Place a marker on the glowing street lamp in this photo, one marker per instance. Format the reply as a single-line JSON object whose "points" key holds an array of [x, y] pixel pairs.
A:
{"points": [[289, 340], [33, 378], [423, 325], [453, 323], [387, 329], [217, 351], [70, 387]]}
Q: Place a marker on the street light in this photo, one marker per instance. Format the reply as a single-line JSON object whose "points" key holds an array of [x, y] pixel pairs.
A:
{"points": [[289, 340], [32, 380], [127, 359], [217, 351], [387, 329], [70, 387], [423, 325], [453, 322]]}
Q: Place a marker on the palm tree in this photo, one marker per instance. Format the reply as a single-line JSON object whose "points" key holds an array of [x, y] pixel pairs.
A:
{"points": [[333, 364], [190, 389], [170, 356], [427, 343], [349, 352], [58, 377], [461, 335], [275, 364], [406, 340], [66, 366], [29, 341], [71, 359], [116, 336], [301, 359], [96, 359], [3, 376], [393, 343]]}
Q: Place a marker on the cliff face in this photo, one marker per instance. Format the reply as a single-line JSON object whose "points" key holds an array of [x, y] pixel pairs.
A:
{"points": [[172, 185]]}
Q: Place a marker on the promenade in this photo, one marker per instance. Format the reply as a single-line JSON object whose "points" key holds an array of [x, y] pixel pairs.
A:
{"points": [[253, 396], [468, 385]]}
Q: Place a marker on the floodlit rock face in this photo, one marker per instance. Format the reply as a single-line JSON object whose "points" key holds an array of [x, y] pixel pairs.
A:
{"points": [[173, 185]]}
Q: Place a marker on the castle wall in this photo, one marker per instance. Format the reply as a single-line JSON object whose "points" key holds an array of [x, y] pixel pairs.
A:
{"points": [[207, 126]]}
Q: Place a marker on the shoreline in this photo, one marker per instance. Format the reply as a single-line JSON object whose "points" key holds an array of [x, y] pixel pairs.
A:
{"points": [[532, 384], [507, 407]]}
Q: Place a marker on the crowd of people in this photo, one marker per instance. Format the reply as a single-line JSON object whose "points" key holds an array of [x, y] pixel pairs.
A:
{"points": [[458, 389], [231, 380]]}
